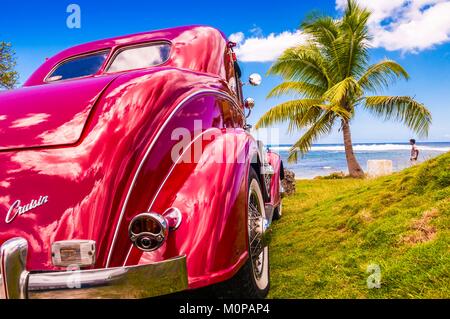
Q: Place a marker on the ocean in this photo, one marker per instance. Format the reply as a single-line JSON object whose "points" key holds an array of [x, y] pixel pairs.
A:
{"points": [[324, 159]]}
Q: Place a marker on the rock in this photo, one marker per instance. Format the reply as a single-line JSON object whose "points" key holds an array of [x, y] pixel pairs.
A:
{"points": [[288, 182]]}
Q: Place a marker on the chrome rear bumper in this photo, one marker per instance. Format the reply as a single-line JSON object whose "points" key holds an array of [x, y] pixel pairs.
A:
{"points": [[141, 281]]}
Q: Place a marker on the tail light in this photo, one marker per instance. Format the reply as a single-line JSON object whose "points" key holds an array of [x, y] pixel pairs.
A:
{"points": [[148, 231]]}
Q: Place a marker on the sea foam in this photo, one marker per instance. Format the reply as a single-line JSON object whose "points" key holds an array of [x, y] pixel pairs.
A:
{"points": [[367, 148]]}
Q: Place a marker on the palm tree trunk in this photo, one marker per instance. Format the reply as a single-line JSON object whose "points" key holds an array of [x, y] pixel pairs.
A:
{"points": [[354, 168]]}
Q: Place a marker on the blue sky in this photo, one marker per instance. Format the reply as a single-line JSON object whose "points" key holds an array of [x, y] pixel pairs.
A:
{"points": [[414, 33]]}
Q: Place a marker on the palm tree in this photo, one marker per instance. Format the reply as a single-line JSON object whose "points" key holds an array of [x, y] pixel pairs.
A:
{"points": [[330, 76]]}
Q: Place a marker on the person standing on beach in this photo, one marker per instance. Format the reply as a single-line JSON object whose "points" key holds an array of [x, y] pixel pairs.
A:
{"points": [[414, 151]]}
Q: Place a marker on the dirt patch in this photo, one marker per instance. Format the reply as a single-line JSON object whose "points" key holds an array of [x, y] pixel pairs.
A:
{"points": [[423, 231], [366, 215]]}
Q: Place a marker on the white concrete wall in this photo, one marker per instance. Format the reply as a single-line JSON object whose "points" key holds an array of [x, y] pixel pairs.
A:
{"points": [[377, 168]]}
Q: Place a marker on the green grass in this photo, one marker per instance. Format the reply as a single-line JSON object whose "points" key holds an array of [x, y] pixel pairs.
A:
{"points": [[332, 230]]}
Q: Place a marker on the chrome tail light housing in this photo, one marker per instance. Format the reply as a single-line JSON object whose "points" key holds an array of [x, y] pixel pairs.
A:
{"points": [[148, 231]]}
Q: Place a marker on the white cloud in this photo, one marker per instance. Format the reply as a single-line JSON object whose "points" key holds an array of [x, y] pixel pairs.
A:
{"points": [[237, 37], [407, 25], [265, 49], [396, 25], [381, 9]]}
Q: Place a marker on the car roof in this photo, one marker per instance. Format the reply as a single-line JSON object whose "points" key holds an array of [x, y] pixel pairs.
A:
{"points": [[179, 36]]}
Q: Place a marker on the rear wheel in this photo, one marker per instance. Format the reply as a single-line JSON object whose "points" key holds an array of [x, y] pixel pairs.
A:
{"points": [[277, 212], [252, 280]]}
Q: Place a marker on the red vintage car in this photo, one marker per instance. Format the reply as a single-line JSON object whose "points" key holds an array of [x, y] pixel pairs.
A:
{"points": [[127, 170]]}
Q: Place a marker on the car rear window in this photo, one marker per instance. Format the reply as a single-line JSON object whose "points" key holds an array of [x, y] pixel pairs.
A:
{"points": [[78, 67], [138, 57]]}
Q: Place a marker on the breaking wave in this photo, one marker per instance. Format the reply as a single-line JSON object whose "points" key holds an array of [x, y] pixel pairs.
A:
{"points": [[368, 148]]}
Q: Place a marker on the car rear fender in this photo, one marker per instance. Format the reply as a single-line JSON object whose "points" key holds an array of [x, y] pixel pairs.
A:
{"points": [[211, 193]]}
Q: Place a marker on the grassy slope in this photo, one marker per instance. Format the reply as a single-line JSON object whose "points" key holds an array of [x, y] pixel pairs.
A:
{"points": [[331, 230]]}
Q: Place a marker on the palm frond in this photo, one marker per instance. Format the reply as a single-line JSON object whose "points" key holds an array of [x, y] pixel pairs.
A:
{"points": [[324, 31], [381, 74], [403, 109], [306, 119], [297, 88], [321, 127], [341, 111], [283, 112], [303, 64], [344, 92], [354, 39]]}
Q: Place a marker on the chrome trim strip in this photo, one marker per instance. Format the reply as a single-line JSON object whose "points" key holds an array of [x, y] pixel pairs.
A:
{"points": [[141, 164], [142, 281]]}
